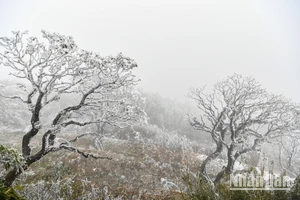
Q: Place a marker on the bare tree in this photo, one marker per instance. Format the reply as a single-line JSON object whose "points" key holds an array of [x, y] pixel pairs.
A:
{"points": [[135, 99], [288, 147], [240, 116], [55, 67]]}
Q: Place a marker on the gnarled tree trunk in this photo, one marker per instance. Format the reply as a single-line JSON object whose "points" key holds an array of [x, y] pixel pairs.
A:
{"points": [[211, 157]]}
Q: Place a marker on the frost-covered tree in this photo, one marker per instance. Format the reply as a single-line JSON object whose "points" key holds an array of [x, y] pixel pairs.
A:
{"points": [[287, 150], [240, 116], [53, 67], [103, 126]]}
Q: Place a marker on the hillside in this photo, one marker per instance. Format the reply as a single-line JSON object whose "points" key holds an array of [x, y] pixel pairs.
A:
{"points": [[137, 167]]}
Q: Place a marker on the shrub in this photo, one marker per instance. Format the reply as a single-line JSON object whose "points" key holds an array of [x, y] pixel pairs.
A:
{"points": [[196, 188], [8, 193]]}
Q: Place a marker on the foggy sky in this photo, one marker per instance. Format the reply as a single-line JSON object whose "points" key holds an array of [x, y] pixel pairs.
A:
{"points": [[177, 44]]}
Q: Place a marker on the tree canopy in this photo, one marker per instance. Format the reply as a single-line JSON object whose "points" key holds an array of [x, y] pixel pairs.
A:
{"points": [[240, 116], [52, 67]]}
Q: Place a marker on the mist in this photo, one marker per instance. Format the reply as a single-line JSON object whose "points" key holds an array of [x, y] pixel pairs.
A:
{"points": [[149, 100], [178, 44]]}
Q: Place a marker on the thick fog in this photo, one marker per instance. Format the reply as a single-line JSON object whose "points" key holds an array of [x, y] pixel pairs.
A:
{"points": [[79, 127], [177, 44]]}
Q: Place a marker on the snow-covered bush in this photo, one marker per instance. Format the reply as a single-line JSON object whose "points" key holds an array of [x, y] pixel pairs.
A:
{"points": [[10, 159]]}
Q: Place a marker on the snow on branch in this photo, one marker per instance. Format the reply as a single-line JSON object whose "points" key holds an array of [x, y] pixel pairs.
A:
{"points": [[241, 115], [54, 68], [84, 154]]}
